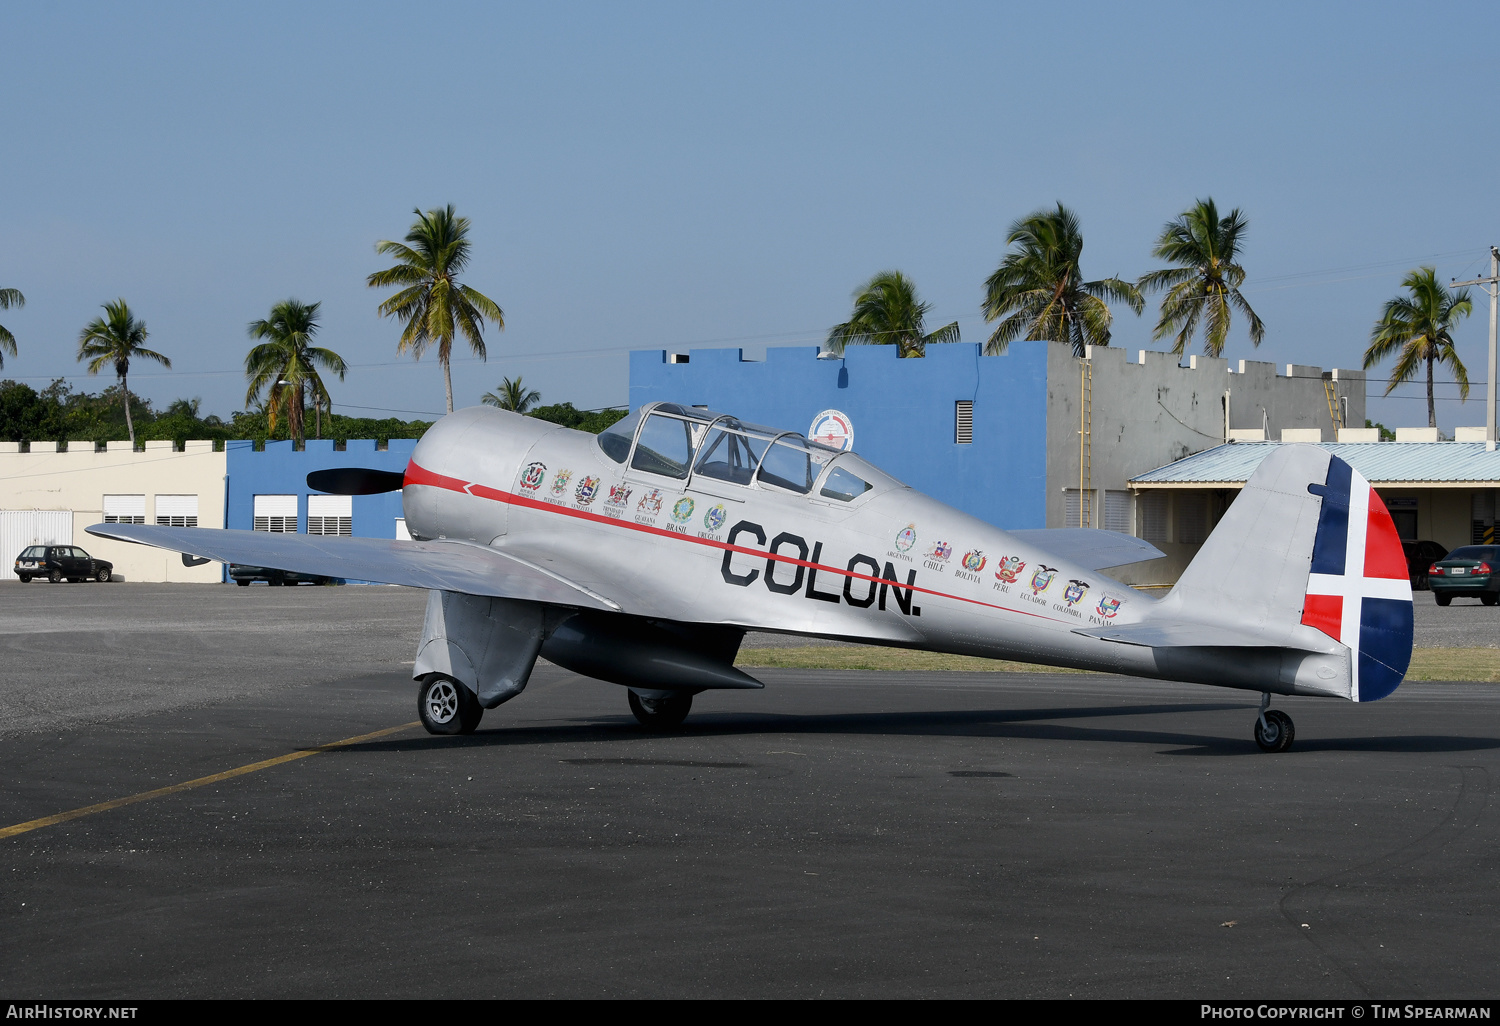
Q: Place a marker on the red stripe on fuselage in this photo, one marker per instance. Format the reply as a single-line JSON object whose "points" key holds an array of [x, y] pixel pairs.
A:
{"points": [[418, 475]]}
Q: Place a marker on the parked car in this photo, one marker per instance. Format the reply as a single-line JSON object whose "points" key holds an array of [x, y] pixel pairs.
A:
{"points": [[243, 575], [61, 562], [1468, 570], [1419, 556]]}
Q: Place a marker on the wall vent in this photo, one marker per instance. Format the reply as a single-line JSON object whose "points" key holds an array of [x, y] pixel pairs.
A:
{"points": [[963, 422]]}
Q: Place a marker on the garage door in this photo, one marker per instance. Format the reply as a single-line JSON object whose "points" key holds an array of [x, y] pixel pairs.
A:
{"points": [[20, 528]]}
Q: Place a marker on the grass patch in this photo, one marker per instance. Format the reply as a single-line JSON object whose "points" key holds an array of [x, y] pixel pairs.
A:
{"points": [[1459, 664], [1476, 664]]}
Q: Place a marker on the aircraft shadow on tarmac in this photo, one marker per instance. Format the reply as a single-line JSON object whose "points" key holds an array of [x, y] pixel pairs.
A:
{"points": [[1026, 724]]}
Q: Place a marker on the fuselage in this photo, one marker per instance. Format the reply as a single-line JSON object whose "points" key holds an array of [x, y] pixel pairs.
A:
{"points": [[891, 566]]}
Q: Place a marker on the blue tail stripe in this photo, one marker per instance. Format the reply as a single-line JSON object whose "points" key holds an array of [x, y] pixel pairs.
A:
{"points": [[1385, 633], [1333, 520]]}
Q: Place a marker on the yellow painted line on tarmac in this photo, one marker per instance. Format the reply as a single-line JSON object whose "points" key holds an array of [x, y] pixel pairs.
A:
{"points": [[188, 785]]}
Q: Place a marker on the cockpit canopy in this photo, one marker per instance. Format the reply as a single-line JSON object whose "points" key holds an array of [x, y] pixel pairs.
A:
{"points": [[676, 442]]}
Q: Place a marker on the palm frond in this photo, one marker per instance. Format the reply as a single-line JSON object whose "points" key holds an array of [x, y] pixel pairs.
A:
{"points": [[947, 333], [10, 298], [1117, 290]]}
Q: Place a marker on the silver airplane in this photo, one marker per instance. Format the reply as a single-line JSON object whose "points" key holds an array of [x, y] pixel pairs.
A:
{"points": [[641, 556]]}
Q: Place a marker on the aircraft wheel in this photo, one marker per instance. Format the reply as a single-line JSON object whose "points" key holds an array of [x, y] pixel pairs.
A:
{"points": [[1274, 731], [446, 706], [1442, 600], [660, 713]]}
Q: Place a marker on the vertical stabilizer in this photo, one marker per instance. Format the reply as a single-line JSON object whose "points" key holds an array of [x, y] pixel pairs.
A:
{"points": [[1307, 554]]}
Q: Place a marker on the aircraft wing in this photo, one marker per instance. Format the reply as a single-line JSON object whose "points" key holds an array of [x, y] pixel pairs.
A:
{"points": [[436, 565], [1090, 546]]}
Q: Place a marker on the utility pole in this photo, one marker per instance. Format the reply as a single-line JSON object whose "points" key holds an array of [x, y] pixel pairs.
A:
{"points": [[1491, 285]]}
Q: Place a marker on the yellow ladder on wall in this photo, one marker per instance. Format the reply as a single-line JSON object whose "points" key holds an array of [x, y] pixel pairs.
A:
{"points": [[1331, 394]]}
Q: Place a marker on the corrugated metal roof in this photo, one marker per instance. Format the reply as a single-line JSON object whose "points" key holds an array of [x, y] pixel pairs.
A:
{"points": [[1378, 462]]}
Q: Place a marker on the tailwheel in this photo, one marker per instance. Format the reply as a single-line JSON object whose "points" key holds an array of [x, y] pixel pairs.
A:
{"points": [[1274, 731], [446, 706], [661, 713]]}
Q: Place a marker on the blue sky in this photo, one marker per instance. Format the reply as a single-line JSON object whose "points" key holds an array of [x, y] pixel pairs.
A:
{"points": [[671, 175]]}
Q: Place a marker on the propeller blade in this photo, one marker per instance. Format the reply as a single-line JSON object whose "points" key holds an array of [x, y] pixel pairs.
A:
{"points": [[355, 481]]}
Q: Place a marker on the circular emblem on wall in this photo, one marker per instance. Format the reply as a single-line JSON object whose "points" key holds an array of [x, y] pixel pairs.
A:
{"points": [[714, 518], [833, 429], [531, 477], [907, 538], [682, 510]]}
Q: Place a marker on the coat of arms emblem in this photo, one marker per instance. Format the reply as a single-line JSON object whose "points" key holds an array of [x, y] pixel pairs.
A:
{"points": [[531, 477], [1075, 591], [586, 490], [560, 481], [1108, 607], [1042, 579], [650, 502], [906, 538], [1009, 568], [682, 510], [619, 494], [941, 551], [714, 518], [974, 561]]}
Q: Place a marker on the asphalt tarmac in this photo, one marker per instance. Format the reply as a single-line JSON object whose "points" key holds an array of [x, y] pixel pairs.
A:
{"points": [[837, 834]]}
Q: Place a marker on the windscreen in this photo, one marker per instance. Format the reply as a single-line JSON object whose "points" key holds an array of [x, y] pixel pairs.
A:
{"points": [[615, 440], [1483, 553]]}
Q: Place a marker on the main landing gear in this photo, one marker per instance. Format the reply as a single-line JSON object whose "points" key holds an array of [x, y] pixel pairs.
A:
{"points": [[446, 706], [661, 713], [1273, 728]]}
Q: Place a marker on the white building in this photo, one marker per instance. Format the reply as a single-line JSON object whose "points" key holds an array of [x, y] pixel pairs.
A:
{"points": [[49, 497]]}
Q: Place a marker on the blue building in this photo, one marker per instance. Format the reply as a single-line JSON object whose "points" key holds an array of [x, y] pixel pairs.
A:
{"points": [[968, 429]]}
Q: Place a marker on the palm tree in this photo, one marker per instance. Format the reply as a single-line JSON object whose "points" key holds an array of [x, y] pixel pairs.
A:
{"points": [[1419, 327], [1040, 292], [513, 396], [1206, 282], [285, 365], [887, 312], [114, 339], [432, 304], [8, 299]]}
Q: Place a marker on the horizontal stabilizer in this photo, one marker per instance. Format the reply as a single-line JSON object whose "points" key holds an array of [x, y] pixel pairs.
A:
{"points": [[1185, 635], [355, 481], [1090, 546], [438, 565]]}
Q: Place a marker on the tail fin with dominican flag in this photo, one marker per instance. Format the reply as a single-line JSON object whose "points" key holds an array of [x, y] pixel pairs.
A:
{"points": [[1358, 592], [1305, 560]]}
